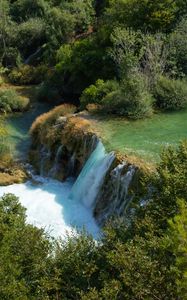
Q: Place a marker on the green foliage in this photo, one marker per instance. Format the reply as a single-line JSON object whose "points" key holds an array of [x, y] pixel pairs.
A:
{"points": [[178, 234], [75, 261], [170, 94], [22, 10], [67, 20], [7, 33], [178, 49], [82, 12], [31, 33], [130, 98], [95, 93], [126, 50], [23, 253], [170, 184], [144, 259], [78, 63], [61, 27], [146, 14], [10, 101], [27, 74]]}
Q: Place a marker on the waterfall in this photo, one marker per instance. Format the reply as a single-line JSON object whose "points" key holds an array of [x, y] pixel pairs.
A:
{"points": [[90, 180], [118, 196], [89, 145], [55, 167], [125, 181], [71, 165], [44, 155]]}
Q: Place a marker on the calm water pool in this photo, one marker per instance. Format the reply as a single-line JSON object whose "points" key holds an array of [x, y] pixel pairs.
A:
{"points": [[144, 138], [17, 128]]}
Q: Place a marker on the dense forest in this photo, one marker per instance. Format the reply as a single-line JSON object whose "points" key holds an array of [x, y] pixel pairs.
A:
{"points": [[124, 58], [117, 57]]}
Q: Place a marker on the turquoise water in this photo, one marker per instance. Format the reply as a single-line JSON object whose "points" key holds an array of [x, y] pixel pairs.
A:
{"points": [[17, 127], [144, 138]]}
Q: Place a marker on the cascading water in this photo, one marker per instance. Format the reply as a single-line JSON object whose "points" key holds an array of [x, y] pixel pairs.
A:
{"points": [[44, 154], [118, 196], [90, 180], [71, 165], [56, 166], [60, 207]]}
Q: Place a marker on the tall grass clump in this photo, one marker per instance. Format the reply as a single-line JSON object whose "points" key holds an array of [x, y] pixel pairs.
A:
{"points": [[43, 125], [10, 101], [5, 154]]}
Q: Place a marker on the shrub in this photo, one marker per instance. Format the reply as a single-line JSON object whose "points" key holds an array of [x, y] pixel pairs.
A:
{"points": [[10, 101], [178, 49], [129, 98], [5, 154], [137, 101], [95, 93], [27, 74], [170, 94]]}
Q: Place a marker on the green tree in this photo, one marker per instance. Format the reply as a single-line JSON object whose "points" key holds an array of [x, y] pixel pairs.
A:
{"points": [[178, 234], [24, 252], [148, 15], [22, 10]]}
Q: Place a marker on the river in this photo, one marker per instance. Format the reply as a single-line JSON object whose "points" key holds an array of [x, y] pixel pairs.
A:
{"points": [[62, 207]]}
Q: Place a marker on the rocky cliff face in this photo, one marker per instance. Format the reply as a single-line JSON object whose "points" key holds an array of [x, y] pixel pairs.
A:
{"points": [[61, 151], [61, 147]]}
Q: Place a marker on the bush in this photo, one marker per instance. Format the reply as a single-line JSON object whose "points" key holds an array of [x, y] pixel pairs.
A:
{"points": [[137, 101], [95, 93], [27, 74], [10, 101], [129, 98], [170, 94], [178, 49]]}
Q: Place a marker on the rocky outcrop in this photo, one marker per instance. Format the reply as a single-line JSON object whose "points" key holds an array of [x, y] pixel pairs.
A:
{"points": [[64, 148], [121, 186], [63, 152]]}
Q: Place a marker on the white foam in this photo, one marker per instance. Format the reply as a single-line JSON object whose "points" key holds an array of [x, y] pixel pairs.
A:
{"points": [[49, 207]]}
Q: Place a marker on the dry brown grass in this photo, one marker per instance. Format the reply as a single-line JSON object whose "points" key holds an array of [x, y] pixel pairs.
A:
{"points": [[136, 161], [42, 129], [11, 173], [80, 124], [52, 115]]}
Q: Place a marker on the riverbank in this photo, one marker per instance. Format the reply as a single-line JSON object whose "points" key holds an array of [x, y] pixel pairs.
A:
{"points": [[14, 134]]}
